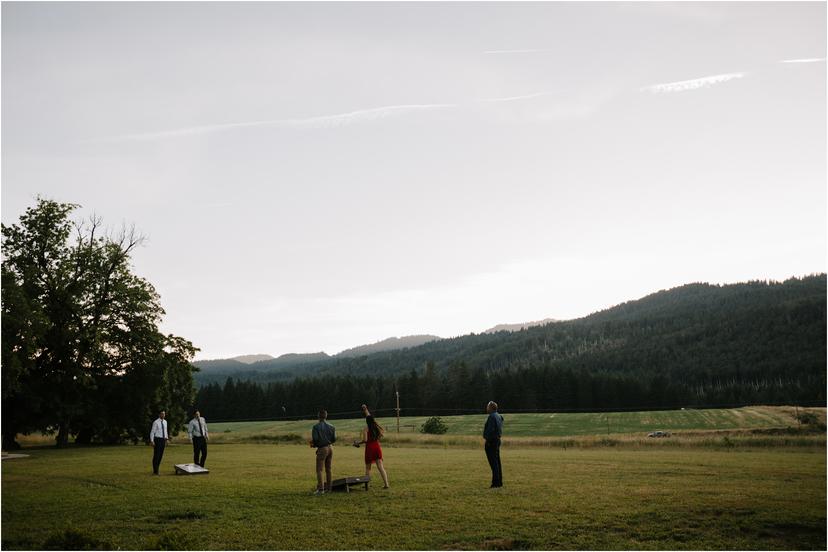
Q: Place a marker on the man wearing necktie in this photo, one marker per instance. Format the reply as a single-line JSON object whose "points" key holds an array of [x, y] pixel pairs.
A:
{"points": [[197, 430], [158, 438]]}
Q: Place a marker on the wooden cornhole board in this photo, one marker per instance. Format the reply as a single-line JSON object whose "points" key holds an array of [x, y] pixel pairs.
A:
{"points": [[346, 483], [190, 469]]}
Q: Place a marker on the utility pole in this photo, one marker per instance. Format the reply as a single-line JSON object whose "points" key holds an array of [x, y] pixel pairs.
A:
{"points": [[398, 410]]}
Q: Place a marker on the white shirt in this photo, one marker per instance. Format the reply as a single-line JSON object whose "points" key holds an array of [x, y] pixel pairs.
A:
{"points": [[159, 429], [194, 430]]}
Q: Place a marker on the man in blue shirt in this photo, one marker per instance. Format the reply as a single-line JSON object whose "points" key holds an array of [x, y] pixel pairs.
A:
{"points": [[491, 433], [323, 435]]}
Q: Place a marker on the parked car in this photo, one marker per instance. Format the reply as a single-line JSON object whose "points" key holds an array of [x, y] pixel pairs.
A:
{"points": [[658, 434]]}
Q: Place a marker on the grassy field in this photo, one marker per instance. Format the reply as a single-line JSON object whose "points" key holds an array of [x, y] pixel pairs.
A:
{"points": [[727, 479], [259, 497]]}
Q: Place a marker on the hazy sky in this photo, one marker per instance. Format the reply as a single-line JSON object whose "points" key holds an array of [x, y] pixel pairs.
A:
{"points": [[318, 176]]}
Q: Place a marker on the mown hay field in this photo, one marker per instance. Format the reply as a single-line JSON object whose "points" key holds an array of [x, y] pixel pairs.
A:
{"points": [[531, 429], [548, 425]]}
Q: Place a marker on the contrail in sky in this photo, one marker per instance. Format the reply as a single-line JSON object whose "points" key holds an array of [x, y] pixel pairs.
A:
{"points": [[513, 98], [525, 51], [804, 60], [324, 121], [692, 84], [343, 119]]}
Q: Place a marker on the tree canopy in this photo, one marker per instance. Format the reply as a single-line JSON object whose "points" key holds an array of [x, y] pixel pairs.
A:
{"points": [[82, 353]]}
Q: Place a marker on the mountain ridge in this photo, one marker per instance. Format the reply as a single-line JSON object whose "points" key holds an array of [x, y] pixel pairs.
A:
{"points": [[250, 359], [520, 326], [598, 335], [697, 345], [388, 344]]}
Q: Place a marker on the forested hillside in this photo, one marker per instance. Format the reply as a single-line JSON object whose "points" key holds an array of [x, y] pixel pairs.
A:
{"points": [[289, 365], [220, 369], [695, 345]]}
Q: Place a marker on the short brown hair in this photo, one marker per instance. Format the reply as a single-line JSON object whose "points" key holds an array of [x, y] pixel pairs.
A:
{"points": [[323, 414]]}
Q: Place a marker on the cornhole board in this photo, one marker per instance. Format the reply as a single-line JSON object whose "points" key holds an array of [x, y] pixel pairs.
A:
{"points": [[190, 469], [346, 483]]}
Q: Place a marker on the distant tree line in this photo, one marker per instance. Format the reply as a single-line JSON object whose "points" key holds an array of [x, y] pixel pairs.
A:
{"points": [[462, 390]]}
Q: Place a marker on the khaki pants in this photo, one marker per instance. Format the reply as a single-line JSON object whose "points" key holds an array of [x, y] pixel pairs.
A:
{"points": [[323, 459]]}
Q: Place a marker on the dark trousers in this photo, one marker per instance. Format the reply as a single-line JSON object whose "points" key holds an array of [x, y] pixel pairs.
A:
{"points": [[199, 446], [493, 456], [158, 453]]}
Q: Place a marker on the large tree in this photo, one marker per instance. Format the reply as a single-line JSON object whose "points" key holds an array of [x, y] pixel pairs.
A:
{"points": [[82, 352]]}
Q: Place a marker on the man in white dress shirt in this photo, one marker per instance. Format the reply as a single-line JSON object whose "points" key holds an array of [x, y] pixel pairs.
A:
{"points": [[197, 430], [158, 438]]}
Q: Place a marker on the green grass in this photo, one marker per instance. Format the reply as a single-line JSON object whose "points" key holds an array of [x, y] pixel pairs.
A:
{"points": [[727, 479], [259, 497]]}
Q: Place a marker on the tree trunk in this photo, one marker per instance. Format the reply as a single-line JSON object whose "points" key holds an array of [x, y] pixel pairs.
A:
{"points": [[9, 443], [84, 437], [63, 435]]}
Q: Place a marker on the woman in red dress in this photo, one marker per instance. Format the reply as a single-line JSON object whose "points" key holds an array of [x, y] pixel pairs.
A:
{"points": [[373, 451]]}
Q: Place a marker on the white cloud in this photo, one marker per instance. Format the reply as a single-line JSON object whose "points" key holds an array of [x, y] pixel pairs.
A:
{"points": [[803, 60], [692, 84]]}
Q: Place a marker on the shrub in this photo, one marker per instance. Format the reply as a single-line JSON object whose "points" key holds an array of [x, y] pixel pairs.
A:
{"points": [[173, 541], [72, 539], [807, 418], [187, 514], [287, 438], [434, 425]]}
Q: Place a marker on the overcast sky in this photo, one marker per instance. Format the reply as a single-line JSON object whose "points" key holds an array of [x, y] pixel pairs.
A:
{"points": [[318, 176]]}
